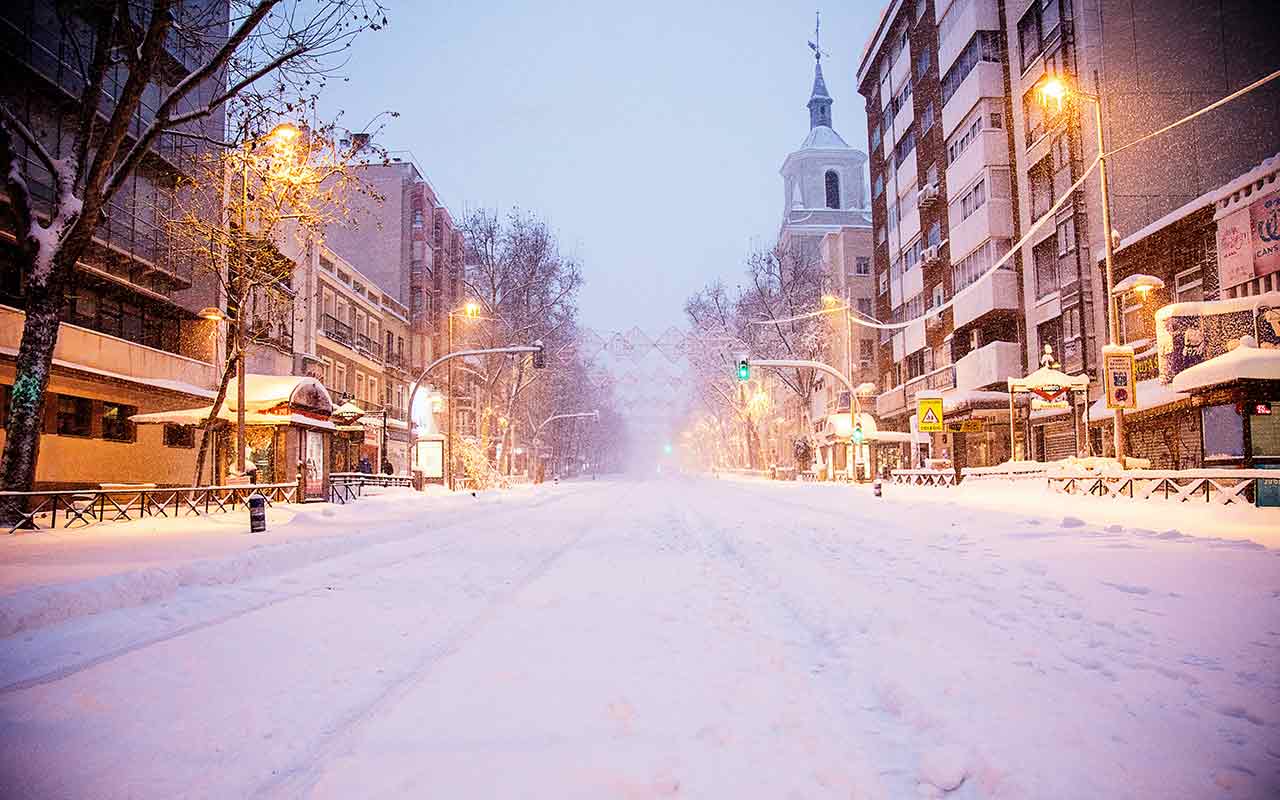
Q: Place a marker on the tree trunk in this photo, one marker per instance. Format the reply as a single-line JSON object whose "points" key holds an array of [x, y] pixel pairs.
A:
{"points": [[206, 430], [31, 372]]}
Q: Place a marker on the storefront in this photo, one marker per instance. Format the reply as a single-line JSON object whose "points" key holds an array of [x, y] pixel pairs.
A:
{"points": [[1237, 399], [287, 433]]}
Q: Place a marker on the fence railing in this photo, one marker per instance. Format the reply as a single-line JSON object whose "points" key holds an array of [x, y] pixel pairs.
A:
{"points": [[1221, 486], [345, 487], [67, 508], [925, 477]]}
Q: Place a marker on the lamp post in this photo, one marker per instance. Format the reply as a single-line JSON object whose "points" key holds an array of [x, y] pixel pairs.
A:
{"points": [[282, 134], [1054, 89], [471, 311]]}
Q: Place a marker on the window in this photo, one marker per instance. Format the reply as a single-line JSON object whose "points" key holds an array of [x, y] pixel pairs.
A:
{"points": [[74, 416], [864, 306], [1071, 324], [1189, 285], [340, 382], [905, 147], [972, 200], [926, 117], [1067, 236], [1029, 35], [417, 218], [116, 426], [936, 297], [1050, 333], [976, 264], [884, 282], [880, 234], [893, 216], [1045, 256], [326, 264], [1264, 430], [1040, 176], [877, 186], [360, 385], [922, 63], [833, 189], [931, 176], [935, 234], [875, 137], [862, 265], [1223, 430], [867, 349], [984, 46], [179, 436], [915, 364]]}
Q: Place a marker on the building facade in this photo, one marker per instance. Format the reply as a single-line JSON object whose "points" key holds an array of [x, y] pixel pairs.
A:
{"points": [[996, 171], [131, 340]]}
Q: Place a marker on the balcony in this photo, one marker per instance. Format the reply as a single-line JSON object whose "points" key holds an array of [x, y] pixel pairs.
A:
{"points": [[894, 401], [991, 149], [986, 80], [1000, 292], [102, 353], [990, 365], [939, 380], [964, 19], [992, 220], [337, 330], [368, 346]]}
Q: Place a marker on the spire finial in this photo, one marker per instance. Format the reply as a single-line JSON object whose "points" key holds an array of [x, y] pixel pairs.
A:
{"points": [[816, 44]]}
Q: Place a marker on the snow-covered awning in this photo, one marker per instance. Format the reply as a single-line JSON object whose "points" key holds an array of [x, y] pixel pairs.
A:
{"points": [[197, 416], [1150, 394], [269, 400], [1246, 362], [1048, 379]]}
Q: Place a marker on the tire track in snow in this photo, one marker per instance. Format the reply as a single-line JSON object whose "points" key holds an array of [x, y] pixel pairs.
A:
{"points": [[456, 528], [302, 777]]}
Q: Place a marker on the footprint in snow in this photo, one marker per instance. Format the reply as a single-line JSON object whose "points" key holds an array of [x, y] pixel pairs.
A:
{"points": [[943, 768], [1072, 522], [1127, 588], [1114, 529], [1240, 712]]}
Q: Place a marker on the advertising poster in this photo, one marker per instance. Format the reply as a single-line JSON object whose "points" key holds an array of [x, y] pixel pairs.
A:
{"points": [[1121, 388]]}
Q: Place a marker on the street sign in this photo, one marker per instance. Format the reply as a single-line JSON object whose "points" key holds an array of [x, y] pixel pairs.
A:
{"points": [[965, 426], [929, 414], [1118, 369]]}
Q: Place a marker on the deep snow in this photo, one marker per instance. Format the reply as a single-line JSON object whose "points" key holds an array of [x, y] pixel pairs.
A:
{"points": [[647, 639]]}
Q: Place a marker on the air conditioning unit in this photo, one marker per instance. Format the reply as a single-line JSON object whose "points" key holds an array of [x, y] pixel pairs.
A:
{"points": [[927, 195], [930, 253]]}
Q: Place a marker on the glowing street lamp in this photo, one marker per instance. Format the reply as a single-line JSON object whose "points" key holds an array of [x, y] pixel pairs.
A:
{"points": [[1053, 89]]}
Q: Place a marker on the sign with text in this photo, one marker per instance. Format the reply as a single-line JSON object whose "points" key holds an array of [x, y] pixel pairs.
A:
{"points": [[929, 415], [1120, 372], [1249, 241], [965, 426]]}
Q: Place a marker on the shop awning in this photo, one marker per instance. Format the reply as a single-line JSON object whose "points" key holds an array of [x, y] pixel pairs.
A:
{"points": [[1246, 362], [197, 416], [1150, 394], [269, 400]]}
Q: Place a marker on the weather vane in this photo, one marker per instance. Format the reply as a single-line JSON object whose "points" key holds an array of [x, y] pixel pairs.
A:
{"points": [[816, 44]]}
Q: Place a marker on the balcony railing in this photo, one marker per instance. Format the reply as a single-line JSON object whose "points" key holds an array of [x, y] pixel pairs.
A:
{"points": [[336, 329], [368, 346], [939, 380]]}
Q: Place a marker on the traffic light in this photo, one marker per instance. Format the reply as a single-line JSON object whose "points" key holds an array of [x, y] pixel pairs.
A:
{"points": [[857, 433], [539, 358], [744, 370]]}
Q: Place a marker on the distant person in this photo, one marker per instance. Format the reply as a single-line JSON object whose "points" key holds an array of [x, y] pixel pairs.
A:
{"points": [[365, 466], [387, 469]]}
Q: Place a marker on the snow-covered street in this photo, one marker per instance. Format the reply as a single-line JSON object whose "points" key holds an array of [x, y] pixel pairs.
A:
{"points": [[691, 637]]}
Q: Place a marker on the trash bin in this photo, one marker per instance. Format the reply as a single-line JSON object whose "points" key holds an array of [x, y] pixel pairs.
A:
{"points": [[257, 513]]}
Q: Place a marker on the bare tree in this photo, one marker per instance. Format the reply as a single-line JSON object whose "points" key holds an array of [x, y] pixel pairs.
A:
{"points": [[237, 208], [527, 290], [204, 74]]}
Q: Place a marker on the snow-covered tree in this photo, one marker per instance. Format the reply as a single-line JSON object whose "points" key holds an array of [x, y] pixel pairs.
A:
{"points": [[168, 69]]}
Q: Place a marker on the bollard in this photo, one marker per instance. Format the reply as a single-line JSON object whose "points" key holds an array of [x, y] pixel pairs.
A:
{"points": [[257, 513], [876, 486]]}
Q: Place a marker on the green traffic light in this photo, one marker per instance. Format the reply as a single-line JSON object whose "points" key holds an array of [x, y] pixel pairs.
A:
{"points": [[744, 371], [857, 434], [666, 448]]}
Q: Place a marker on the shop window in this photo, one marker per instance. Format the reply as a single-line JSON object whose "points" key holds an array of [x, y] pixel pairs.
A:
{"points": [[179, 436], [74, 416], [1223, 432], [116, 426], [1264, 430]]}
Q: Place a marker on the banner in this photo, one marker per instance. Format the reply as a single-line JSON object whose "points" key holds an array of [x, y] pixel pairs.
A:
{"points": [[1249, 241]]}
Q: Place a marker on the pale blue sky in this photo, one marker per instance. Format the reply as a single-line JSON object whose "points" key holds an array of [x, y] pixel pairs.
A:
{"points": [[649, 134]]}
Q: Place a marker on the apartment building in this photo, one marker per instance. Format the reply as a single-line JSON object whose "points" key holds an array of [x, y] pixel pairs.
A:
{"points": [[131, 340], [1001, 158], [944, 210], [354, 337]]}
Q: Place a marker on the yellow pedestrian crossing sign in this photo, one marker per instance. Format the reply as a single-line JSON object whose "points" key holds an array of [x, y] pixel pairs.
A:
{"points": [[929, 414]]}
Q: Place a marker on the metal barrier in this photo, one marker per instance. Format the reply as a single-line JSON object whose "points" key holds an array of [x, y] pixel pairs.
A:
{"points": [[345, 487], [925, 477], [40, 510], [1021, 472], [1221, 486]]}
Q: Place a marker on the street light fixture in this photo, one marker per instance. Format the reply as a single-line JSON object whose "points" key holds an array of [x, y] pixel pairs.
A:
{"points": [[469, 310], [1053, 89]]}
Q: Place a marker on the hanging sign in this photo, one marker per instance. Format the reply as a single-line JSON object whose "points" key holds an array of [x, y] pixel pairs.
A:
{"points": [[929, 415], [1119, 370], [966, 426]]}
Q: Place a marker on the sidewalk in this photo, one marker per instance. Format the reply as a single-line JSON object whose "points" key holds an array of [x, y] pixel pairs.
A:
{"points": [[55, 575]]}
